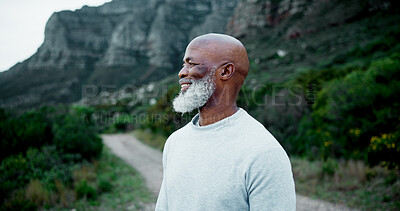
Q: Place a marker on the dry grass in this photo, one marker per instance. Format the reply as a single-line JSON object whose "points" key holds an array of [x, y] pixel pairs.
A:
{"points": [[146, 136], [38, 194], [348, 182], [86, 172], [66, 196]]}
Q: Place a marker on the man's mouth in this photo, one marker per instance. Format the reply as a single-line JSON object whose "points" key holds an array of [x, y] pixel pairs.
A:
{"points": [[185, 84], [185, 87]]}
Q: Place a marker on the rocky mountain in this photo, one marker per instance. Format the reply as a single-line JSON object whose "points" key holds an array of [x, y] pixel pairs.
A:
{"points": [[122, 42], [135, 42], [286, 37]]}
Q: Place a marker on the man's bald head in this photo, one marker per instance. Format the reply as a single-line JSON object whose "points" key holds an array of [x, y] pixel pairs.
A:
{"points": [[221, 47], [214, 69]]}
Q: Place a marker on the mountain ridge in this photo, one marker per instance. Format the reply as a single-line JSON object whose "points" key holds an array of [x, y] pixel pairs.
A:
{"points": [[113, 44], [137, 42]]}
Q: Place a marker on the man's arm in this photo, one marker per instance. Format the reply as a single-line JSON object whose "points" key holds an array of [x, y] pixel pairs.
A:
{"points": [[162, 202], [269, 181]]}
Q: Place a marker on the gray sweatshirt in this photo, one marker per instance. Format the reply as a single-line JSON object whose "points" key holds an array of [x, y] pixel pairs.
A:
{"points": [[233, 164]]}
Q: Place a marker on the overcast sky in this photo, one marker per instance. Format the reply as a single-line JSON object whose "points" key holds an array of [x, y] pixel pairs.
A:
{"points": [[22, 24]]}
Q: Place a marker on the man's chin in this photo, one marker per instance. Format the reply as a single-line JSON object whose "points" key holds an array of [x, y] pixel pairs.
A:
{"points": [[185, 90], [180, 105], [183, 110]]}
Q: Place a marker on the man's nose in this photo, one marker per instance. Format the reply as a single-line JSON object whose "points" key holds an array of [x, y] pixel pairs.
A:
{"points": [[183, 72]]}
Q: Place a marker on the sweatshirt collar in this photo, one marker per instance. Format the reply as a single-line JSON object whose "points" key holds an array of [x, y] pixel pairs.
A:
{"points": [[223, 122]]}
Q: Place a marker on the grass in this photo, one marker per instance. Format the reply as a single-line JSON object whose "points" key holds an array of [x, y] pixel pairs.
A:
{"points": [[152, 139], [120, 187], [351, 183], [104, 184], [128, 190]]}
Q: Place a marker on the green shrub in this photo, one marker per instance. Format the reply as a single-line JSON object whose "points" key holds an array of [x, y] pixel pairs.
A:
{"points": [[104, 184], [31, 129], [18, 202], [357, 116], [41, 147], [385, 148], [84, 189], [45, 165], [48, 164], [329, 166], [77, 138], [14, 174]]}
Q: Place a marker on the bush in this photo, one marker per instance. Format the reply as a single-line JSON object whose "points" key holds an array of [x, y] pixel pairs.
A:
{"points": [[357, 116], [104, 184], [31, 129], [84, 189], [45, 165], [329, 166], [39, 149], [385, 148], [14, 174], [48, 164], [18, 202], [76, 137]]}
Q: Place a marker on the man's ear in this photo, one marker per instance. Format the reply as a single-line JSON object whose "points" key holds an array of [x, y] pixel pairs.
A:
{"points": [[227, 71]]}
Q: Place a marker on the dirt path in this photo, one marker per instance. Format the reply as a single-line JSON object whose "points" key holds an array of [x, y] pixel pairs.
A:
{"points": [[148, 162]]}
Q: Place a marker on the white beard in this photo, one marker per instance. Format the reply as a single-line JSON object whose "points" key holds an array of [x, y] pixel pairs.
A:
{"points": [[196, 95]]}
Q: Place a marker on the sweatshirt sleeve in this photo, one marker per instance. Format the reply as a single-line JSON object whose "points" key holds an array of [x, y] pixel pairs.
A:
{"points": [[269, 182], [162, 202]]}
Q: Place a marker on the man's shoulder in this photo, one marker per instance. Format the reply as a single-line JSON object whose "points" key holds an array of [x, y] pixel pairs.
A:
{"points": [[175, 136], [260, 144], [181, 132], [250, 126], [247, 120], [255, 135]]}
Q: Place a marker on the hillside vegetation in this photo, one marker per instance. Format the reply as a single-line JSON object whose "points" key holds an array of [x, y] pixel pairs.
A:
{"points": [[342, 104], [43, 154], [325, 82], [332, 99]]}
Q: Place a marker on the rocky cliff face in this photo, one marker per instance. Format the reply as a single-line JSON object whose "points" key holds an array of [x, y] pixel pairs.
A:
{"points": [[122, 42], [305, 16], [252, 14], [134, 42]]}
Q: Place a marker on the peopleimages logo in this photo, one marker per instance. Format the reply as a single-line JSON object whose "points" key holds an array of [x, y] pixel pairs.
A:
{"points": [[278, 95], [130, 95], [126, 95]]}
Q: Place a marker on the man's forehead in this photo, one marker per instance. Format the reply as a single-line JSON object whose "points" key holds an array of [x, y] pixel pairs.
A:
{"points": [[213, 40], [211, 47], [195, 53]]}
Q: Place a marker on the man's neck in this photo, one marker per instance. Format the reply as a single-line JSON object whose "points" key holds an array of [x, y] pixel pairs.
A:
{"points": [[210, 115]]}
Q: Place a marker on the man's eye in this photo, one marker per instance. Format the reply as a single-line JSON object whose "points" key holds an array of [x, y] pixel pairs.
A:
{"points": [[190, 64]]}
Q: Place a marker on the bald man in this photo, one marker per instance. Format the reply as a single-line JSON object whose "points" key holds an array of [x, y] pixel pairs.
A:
{"points": [[223, 159]]}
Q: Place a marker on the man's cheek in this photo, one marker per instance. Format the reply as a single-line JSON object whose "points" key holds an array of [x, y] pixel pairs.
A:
{"points": [[199, 71]]}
